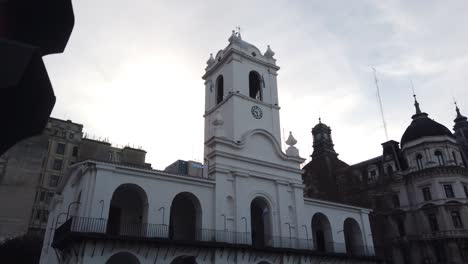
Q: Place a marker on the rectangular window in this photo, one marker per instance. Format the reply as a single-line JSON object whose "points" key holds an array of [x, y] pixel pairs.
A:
{"points": [[38, 214], [396, 201], [426, 194], [49, 197], [75, 152], [433, 224], [449, 191], [60, 149], [45, 216], [57, 164], [456, 219], [53, 180], [401, 227], [42, 196], [465, 188]]}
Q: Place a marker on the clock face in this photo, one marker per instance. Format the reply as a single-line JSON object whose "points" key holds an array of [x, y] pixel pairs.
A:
{"points": [[256, 112]]}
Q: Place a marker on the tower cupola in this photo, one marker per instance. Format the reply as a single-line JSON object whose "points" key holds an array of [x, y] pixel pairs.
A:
{"points": [[323, 143]]}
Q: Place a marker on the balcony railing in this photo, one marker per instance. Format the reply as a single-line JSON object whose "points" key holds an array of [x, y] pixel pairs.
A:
{"points": [[455, 233], [158, 231]]}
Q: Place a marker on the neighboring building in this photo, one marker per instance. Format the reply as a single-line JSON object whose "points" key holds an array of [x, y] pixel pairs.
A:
{"points": [[64, 138], [248, 206], [418, 192], [191, 168], [20, 169], [31, 171]]}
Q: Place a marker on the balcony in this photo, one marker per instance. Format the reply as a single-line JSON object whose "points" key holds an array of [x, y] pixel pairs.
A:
{"points": [[446, 234], [97, 228]]}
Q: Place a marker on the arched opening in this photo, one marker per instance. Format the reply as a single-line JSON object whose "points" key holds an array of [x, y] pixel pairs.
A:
{"points": [[353, 237], [390, 170], [419, 162], [321, 233], [128, 211], [123, 258], [255, 83], [440, 158], [186, 216], [184, 260], [260, 214], [219, 89]]}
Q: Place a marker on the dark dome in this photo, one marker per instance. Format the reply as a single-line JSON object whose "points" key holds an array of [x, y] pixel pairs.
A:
{"points": [[423, 126]]}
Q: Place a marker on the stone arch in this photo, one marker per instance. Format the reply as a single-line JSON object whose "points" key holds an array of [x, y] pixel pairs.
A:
{"points": [[255, 86], [261, 222], [322, 233], [123, 258], [353, 237], [219, 89], [185, 220], [184, 260], [128, 210]]}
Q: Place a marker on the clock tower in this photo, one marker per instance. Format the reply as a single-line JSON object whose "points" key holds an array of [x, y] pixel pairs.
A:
{"points": [[242, 139], [240, 87]]}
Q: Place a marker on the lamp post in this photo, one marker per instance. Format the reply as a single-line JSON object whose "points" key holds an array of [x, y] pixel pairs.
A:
{"points": [[102, 206], [69, 206], [224, 216], [163, 210], [57, 219], [245, 219], [307, 235], [289, 227]]}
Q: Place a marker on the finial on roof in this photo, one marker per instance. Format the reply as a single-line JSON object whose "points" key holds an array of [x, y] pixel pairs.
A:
{"points": [[416, 105], [269, 53], [233, 36], [320, 120], [457, 109], [239, 32], [291, 150], [211, 60], [291, 141]]}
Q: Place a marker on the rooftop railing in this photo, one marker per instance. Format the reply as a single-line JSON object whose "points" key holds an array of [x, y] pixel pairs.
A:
{"points": [[159, 231]]}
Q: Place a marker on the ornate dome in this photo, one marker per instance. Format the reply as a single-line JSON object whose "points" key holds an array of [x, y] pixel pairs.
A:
{"points": [[423, 126]]}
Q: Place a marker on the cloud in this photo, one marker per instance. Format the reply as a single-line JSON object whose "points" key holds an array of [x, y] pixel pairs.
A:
{"points": [[132, 71]]}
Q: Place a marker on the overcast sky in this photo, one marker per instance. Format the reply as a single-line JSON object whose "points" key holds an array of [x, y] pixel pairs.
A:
{"points": [[132, 69]]}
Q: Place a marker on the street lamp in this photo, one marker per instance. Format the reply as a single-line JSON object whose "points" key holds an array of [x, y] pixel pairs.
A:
{"points": [[102, 207], [224, 216], [69, 206], [163, 210], [245, 218]]}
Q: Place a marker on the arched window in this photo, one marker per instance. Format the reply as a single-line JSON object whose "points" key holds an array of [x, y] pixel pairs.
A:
{"points": [[454, 155], [321, 233], [255, 83], [185, 218], [219, 89], [353, 237], [440, 157], [128, 211], [184, 260], [260, 221], [419, 162], [123, 258], [390, 170]]}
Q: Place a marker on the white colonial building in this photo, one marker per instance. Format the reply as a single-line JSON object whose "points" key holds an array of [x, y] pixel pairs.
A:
{"points": [[248, 206]]}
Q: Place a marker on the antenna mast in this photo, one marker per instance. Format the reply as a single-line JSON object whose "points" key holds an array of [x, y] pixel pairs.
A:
{"points": [[380, 102]]}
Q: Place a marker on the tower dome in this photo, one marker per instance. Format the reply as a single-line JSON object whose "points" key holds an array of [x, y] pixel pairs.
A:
{"points": [[423, 126]]}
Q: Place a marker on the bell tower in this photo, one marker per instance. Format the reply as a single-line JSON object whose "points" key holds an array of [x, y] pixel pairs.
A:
{"points": [[241, 90]]}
